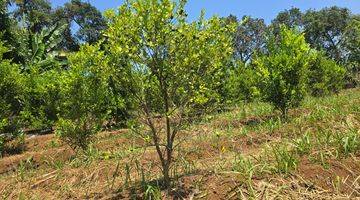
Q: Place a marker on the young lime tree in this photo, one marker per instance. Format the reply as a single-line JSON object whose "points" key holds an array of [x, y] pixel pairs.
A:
{"points": [[242, 84], [283, 69], [325, 75], [174, 66], [85, 97], [11, 90]]}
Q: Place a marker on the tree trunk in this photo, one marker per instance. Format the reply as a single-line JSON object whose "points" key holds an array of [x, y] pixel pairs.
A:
{"points": [[284, 113], [167, 181]]}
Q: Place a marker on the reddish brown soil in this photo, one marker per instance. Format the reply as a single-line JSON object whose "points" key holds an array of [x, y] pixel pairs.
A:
{"points": [[207, 155]]}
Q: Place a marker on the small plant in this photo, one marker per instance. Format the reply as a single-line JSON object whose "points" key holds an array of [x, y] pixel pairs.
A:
{"points": [[303, 145], [11, 99], [348, 142], [152, 193], [175, 67], [285, 158], [244, 166], [77, 134]]}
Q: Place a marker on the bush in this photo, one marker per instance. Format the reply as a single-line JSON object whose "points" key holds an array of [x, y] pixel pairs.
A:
{"points": [[11, 89], [325, 76], [242, 84], [283, 70], [78, 133], [85, 97], [42, 97]]}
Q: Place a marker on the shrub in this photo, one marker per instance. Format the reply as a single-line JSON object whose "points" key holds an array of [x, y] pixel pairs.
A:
{"points": [[243, 83], [325, 76], [11, 89], [77, 133], [85, 97], [42, 97], [283, 70]]}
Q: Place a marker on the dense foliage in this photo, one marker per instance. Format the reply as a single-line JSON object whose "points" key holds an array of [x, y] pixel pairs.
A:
{"points": [[11, 92], [325, 75], [86, 97]]}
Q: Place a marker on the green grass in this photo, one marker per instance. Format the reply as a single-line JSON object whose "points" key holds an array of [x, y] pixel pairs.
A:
{"points": [[251, 142], [321, 129]]}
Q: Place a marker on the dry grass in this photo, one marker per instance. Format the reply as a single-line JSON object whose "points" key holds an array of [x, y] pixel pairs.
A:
{"points": [[231, 155]]}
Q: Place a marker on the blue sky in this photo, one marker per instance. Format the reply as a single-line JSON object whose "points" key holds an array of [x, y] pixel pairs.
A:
{"points": [[266, 9]]}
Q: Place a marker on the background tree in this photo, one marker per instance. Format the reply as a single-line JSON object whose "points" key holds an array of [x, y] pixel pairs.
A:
{"points": [[283, 69], [40, 67], [174, 65], [249, 37], [325, 29], [33, 14], [87, 20], [242, 84], [292, 18], [352, 45]]}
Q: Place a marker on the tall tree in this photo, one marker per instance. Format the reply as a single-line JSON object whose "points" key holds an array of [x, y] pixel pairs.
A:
{"points": [[325, 30], [249, 37], [291, 18], [352, 45], [7, 28], [4, 20], [33, 14], [86, 18]]}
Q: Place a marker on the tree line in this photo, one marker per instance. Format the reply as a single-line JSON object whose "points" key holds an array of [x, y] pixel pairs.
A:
{"points": [[146, 67]]}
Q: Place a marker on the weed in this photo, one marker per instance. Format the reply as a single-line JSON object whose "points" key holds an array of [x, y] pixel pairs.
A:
{"points": [[152, 193], [24, 166], [303, 144], [86, 157], [337, 184], [244, 166], [285, 158], [183, 166], [53, 144], [111, 180], [57, 164], [246, 169], [324, 138], [347, 143], [321, 157], [273, 124]]}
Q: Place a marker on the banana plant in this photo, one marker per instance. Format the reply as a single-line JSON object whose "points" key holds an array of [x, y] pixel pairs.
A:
{"points": [[39, 49]]}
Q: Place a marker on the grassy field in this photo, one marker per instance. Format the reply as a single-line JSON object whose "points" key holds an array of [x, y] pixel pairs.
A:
{"points": [[246, 153]]}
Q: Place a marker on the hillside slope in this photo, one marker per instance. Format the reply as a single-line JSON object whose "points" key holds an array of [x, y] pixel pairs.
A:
{"points": [[248, 152]]}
